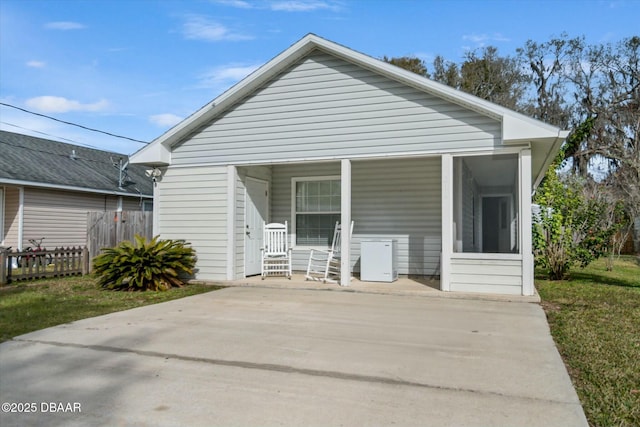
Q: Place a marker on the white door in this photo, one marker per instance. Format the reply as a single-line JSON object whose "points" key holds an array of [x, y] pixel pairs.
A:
{"points": [[256, 209]]}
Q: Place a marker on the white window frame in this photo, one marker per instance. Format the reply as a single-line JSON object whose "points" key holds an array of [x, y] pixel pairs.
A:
{"points": [[294, 185]]}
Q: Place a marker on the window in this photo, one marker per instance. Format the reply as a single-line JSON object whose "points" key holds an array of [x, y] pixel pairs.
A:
{"points": [[316, 209]]}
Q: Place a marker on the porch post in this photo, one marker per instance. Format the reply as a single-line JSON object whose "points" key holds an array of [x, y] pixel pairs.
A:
{"points": [[526, 244], [232, 176], [155, 214], [345, 220], [447, 222]]}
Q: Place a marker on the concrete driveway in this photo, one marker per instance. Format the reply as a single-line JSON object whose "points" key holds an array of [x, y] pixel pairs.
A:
{"points": [[265, 357]]}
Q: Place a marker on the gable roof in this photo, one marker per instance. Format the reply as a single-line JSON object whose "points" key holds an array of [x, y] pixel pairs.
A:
{"points": [[516, 127], [28, 160]]}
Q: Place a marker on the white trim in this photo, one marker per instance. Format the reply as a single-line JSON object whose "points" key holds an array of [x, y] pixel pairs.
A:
{"points": [[294, 181], [71, 188], [345, 218], [480, 151], [232, 176], [487, 256], [20, 217], [526, 239], [447, 222]]}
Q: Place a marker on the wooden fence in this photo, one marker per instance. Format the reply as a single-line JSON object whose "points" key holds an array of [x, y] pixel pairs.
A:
{"points": [[108, 229], [59, 262]]}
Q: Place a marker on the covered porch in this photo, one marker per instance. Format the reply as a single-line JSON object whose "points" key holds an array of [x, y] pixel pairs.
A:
{"points": [[436, 207]]}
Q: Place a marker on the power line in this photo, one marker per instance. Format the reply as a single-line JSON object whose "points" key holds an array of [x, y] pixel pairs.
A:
{"points": [[48, 134], [74, 124]]}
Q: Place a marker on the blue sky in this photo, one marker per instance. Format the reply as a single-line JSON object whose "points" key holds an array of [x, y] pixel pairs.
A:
{"points": [[136, 67]]}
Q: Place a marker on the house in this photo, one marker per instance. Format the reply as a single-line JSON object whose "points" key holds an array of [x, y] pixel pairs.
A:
{"points": [[322, 133], [47, 188]]}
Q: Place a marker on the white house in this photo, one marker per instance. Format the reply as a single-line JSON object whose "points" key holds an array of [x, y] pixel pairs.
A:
{"points": [[323, 133]]}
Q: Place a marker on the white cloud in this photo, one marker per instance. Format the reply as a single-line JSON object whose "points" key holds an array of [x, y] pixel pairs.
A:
{"points": [[302, 5], [165, 120], [226, 75], [200, 28], [283, 5], [237, 3], [58, 104], [35, 64], [482, 39], [64, 25]]}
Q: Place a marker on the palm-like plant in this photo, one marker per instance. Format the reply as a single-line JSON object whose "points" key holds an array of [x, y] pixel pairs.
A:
{"points": [[155, 265]]}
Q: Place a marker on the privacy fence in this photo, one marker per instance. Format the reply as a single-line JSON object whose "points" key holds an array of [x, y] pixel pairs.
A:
{"points": [[108, 229]]}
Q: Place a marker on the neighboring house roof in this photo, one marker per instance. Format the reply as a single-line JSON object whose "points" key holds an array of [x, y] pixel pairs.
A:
{"points": [[516, 127], [28, 160]]}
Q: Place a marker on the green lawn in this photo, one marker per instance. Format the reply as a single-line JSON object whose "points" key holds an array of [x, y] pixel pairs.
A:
{"points": [[27, 307], [595, 322]]}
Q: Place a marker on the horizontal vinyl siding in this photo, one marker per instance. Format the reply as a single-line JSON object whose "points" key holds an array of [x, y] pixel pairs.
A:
{"points": [[60, 216], [326, 107], [397, 199], [486, 275], [192, 206], [11, 212]]}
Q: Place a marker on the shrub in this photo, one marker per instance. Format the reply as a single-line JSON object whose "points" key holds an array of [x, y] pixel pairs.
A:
{"points": [[572, 229], [155, 265]]}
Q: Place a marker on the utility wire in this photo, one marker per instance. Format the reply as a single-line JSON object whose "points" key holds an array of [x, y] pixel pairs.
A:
{"points": [[48, 134], [73, 124]]}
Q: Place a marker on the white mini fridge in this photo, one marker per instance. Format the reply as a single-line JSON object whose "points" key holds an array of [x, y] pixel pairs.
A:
{"points": [[379, 260]]}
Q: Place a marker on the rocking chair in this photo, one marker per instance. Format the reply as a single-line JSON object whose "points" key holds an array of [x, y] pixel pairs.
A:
{"points": [[276, 253], [324, 265]]}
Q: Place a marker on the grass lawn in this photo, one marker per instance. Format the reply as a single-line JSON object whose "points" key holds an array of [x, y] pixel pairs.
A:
{"points": [[595, 322], [30, 306]]}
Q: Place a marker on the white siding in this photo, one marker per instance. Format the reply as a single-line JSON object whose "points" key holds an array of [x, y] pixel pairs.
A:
{"points": [[398, 199], [498, 276], [324, 107], [192, 205]]}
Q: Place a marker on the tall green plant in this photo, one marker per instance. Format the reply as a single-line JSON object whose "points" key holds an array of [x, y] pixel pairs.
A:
{"points": [[155, 265], [571, 228]]}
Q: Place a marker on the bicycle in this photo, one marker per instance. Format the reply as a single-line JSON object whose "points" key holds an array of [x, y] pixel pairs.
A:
{"points": [[41, 259]]}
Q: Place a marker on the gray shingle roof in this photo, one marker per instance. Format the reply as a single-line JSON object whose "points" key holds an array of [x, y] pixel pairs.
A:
{"points": [[46, 162]]}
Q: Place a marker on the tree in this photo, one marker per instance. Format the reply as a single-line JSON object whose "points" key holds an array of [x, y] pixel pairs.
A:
{"points": [[495, 78], [446, 72], [410, 63], [545, 63]]}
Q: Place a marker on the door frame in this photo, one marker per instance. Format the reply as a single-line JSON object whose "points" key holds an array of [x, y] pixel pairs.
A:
{"points": [[267, 184]]}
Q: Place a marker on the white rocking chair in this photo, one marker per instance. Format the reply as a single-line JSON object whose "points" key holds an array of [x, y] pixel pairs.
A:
{"points": [[324, 265], [276, 253]]}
